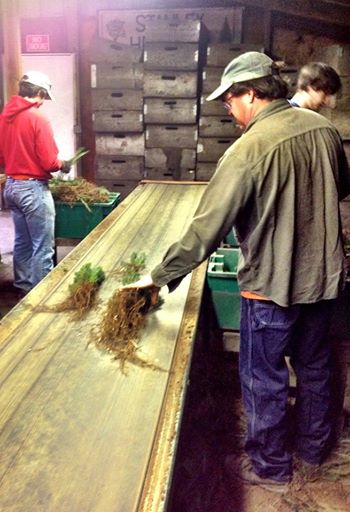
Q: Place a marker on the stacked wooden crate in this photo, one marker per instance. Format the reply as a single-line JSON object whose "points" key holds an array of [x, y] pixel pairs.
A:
{"points": [[289, 73], [217, 129], [117, 102], [170, 99], [338, 56]]}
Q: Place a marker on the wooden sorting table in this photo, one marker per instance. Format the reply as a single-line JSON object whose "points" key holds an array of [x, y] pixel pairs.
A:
{"points": [[76, 433]]}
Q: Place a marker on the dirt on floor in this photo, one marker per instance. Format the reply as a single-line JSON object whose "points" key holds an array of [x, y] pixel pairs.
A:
{"points": [[213, 426]]}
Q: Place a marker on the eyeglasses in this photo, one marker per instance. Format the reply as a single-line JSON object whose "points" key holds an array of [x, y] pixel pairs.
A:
{"points": [[226, 101]]}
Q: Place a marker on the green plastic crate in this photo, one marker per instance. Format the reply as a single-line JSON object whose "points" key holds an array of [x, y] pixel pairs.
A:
{"points": [[230, 239], [74, 220], [222, 281]]}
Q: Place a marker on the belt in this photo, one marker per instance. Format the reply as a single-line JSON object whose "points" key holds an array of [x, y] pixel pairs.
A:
{"points": [[25, 179]]}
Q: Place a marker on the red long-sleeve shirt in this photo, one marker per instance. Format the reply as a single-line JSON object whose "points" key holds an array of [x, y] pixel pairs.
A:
{"points": [[27, 145]]}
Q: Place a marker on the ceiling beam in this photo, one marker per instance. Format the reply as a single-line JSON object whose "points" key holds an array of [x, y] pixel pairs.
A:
{"points": [[324, 10]]}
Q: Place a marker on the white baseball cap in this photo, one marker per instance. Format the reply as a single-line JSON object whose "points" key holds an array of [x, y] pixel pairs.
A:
{"points": [[40, 80]]}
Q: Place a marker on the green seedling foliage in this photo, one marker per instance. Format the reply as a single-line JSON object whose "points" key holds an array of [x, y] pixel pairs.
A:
{"points": [[87, 274], [132, 269], [78, 155]]}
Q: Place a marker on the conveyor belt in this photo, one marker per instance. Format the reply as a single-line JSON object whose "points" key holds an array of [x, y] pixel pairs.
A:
{"points": [[76, 434]]}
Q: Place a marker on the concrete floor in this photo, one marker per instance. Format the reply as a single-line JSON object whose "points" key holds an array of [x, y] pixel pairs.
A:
{"points": [[7, 234], [8, 296]]}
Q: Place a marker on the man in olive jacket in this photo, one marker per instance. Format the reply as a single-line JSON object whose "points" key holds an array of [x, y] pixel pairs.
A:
{"points": [[279, 186]]}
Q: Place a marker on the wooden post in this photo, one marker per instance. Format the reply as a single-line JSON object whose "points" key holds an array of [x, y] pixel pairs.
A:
{"points": [[87, 31], [268, 30], [12, 46]]}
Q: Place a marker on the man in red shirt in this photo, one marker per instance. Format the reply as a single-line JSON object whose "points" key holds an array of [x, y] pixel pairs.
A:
{"points": [[28, 153]]}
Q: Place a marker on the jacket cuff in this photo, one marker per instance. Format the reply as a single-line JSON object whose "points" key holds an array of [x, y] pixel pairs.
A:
{"points": [[162, 278]]}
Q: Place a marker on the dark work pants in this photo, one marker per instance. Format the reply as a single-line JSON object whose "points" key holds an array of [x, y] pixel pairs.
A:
{"points": [[268, 333]]}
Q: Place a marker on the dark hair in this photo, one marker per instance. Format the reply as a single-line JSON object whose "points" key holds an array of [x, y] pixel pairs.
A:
{"points": [[28, 90], [320, 77], [271, 87]]}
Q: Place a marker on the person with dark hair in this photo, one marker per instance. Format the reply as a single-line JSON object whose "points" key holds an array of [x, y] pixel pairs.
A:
{"points": [[317, 87], [282, 198], [28, 153]]}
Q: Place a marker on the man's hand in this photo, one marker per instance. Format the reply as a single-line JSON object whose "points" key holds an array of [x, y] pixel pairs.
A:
{"points": [[66, 166], [145, 282]]}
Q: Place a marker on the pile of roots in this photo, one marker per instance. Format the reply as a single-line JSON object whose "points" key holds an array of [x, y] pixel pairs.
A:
{"points": [[79, 301], [82, 293], [83, 290], [125, 316], [121, 324], [78, 190]]}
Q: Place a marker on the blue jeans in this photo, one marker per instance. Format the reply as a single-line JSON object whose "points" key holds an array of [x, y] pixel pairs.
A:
{"points": [[33, 213], [268, 333]]}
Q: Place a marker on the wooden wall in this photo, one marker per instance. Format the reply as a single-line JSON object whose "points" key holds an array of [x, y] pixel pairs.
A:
{"points": [[290, 31], [45, 8]]}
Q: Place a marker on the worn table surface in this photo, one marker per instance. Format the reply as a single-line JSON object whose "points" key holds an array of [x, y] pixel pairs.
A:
{"points": [[76, 433]]}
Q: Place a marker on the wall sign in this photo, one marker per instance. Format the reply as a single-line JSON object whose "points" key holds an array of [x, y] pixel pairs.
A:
{"points": [[37, 43], [44, 35], [130, 26]]}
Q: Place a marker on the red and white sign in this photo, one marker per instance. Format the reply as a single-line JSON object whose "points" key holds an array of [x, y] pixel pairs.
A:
{"points": [[37, 43]]}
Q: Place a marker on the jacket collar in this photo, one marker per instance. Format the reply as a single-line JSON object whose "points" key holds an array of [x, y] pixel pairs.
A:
{"points": [[271, 109]]}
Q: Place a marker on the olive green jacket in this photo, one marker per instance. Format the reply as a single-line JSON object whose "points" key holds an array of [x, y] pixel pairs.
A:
{"points": [[279, 185]]}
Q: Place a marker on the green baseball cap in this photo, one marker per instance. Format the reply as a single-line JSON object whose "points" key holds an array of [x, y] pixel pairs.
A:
{"points": [[248, 66]]}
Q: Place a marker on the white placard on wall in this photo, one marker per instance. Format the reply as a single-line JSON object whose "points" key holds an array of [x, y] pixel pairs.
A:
{"points": [[130, 26]]}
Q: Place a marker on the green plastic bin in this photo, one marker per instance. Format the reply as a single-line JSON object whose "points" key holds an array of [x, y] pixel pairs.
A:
{"points": [[222, 281], [230, 239], [75, 220]]}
